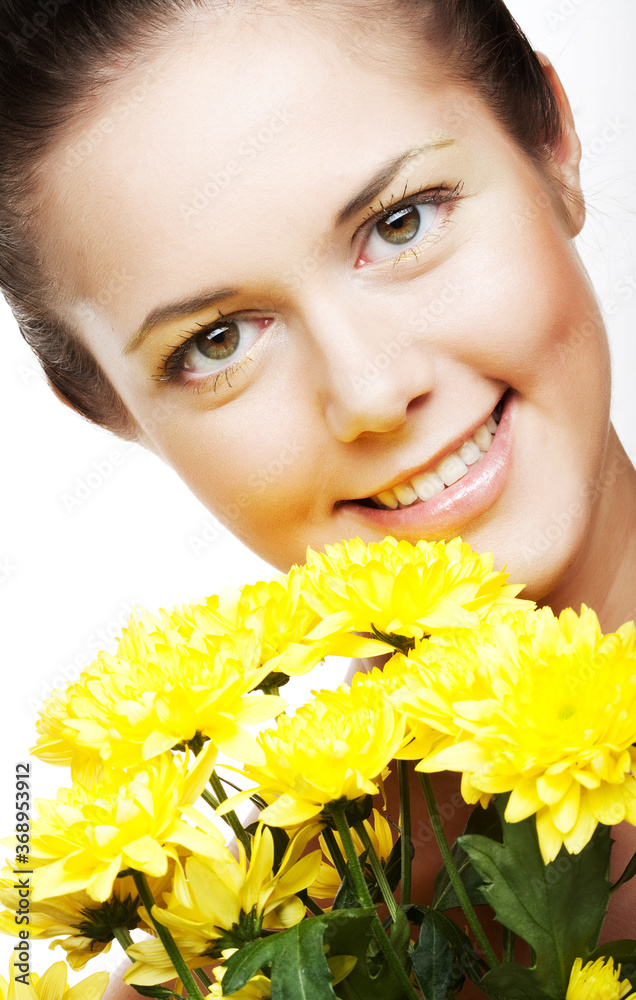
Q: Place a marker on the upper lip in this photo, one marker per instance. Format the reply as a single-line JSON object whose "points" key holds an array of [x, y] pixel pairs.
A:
{"points": [[435, 459]]}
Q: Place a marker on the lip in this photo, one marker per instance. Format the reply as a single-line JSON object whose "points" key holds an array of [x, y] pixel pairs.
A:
{"points": [[459, 504]]}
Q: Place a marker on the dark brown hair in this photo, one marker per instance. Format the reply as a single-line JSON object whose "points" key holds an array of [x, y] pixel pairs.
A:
{"points": [[57, 54]]}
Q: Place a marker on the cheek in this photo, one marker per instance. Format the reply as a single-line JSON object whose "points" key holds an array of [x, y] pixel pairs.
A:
{"points": [[530, 317], [252, 463]]}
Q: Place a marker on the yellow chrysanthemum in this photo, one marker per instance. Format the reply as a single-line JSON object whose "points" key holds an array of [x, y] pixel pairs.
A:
{"points": [[427, 682], [78, 924], [227, 903], [548, 714], [278, 614], [162, 693], [336, 748], [380, 834], [86, 836], [53, 986], [395, 588], [596, 981]]}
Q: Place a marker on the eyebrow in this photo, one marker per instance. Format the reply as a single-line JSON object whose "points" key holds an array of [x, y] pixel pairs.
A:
{"points": [[175, 310], [383, 177], [377, 183]]}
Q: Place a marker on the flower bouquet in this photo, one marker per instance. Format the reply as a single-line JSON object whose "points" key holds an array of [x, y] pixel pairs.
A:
{"points": [[315, 889]]}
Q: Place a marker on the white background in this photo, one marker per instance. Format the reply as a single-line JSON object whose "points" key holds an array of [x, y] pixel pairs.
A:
{"points": [[68, 577]]}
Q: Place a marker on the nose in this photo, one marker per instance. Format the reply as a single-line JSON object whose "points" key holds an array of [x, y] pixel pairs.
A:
{"points": [[375, 369]]}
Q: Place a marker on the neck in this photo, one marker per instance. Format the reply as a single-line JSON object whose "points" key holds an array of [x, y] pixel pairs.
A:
{"points": [[603, 575]]}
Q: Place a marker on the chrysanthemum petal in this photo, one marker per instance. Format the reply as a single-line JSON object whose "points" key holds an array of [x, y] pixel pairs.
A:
{"points": [[565, 813], [53, 982], [596, 981], [580, 834], [288, 811], [146, 855], [606, 804], [531, 704], [524, 801], [100, 884], [90, 989], [550, 840]]}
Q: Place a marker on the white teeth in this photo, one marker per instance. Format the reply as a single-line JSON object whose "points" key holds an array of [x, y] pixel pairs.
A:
{"points": [[387, 499], [428, 485], [405, 493], [482, 438], [469, 453], [451, 469]]}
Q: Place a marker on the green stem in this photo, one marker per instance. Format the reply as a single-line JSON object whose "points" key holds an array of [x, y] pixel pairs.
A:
{"points": [[203, 976], [453, 874], [378, 871], [335, 853], [310, 903], [256, 799], [192, 990], [210, 799], [509, 939], [405, 832], [230, 817], [122, 935], [364, 897]]}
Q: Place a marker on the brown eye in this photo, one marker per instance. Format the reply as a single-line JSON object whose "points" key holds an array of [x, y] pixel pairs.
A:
{"points": [[218, 343], [217, 346], [400, 229], [400, 226]]}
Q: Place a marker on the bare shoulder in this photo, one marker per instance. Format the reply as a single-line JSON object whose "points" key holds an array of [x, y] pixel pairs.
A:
{"points": [[117, 988]]}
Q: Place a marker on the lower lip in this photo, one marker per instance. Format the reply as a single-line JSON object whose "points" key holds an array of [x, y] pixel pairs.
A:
{"points": [[457, 505]]}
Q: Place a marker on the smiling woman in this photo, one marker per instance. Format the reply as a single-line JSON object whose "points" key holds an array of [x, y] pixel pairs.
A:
{"points": [[438, 239], [322, 264]]}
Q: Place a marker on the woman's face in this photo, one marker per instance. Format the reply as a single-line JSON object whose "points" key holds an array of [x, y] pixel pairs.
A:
{"points": [[307, 349]]}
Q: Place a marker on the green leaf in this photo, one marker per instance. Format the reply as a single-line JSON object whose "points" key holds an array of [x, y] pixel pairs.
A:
{"points": [[481, 821], [514, 982], [433, 957], [371, 978], [621, 951], [158, 992], [557, 908], [628, 874], [400, 935], [297, 964], [467, 961], [299, 969]]}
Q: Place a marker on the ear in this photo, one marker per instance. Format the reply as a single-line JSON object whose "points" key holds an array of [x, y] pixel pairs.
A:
{"points": [[567, 156]]}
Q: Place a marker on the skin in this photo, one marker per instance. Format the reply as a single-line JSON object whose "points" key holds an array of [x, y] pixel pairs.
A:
{"points": [[311, 419]]}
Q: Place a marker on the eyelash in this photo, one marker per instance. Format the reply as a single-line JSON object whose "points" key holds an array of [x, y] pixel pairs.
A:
{"points": [[171, 362], [427, 197]]}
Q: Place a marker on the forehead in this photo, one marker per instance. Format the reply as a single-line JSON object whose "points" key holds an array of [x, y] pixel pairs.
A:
{"points": [[239, 129]]}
